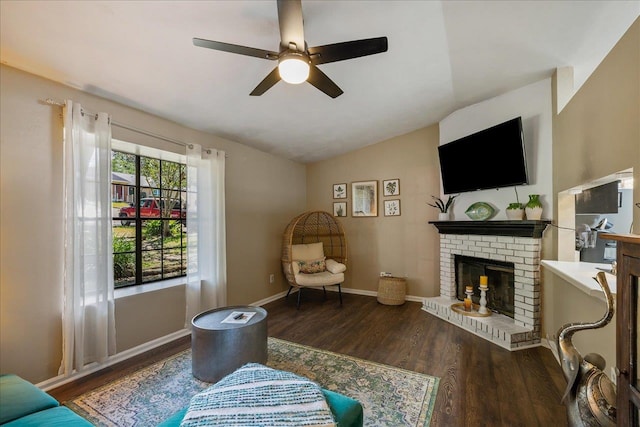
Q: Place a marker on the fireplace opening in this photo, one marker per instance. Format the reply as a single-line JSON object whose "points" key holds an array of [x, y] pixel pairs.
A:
{"points": [[501, 293]]}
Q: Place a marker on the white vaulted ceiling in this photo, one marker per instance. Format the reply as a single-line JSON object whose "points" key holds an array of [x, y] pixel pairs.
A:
{"points": [[443, 55]]}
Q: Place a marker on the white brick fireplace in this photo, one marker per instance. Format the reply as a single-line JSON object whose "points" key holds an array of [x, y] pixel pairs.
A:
{"points": [[517, 242]]}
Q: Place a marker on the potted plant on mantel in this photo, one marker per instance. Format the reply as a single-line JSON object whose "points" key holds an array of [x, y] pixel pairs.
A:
{"points": [[515, 210], [443, 206]]}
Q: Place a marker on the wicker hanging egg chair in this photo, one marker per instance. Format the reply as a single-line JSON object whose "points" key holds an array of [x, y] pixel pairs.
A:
{"points": [[313, 227]]}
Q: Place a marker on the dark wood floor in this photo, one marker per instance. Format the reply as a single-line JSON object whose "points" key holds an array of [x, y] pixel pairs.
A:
{"points": [[481, 384]]}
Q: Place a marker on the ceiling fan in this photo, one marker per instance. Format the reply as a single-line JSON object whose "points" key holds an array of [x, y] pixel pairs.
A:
{"points": [[297, 62]]}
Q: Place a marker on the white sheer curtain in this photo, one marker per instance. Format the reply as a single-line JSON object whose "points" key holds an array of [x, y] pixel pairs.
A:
{"points": [[206, 236], [88, 315]]}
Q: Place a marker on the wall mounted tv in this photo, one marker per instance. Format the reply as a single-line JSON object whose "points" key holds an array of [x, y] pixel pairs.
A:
{"points": [[492, 158]]}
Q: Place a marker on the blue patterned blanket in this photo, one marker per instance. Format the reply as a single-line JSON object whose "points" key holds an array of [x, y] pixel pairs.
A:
{"points": [[256, 395]]}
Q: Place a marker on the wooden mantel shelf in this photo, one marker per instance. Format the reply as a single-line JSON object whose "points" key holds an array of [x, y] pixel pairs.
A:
{"points": [[523, 228]]}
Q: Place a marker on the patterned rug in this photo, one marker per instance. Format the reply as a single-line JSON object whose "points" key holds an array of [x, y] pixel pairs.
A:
{"points": [[389, 396]]}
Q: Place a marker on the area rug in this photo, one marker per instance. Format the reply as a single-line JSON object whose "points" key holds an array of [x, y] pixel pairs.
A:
{"points": [[389, 396]]}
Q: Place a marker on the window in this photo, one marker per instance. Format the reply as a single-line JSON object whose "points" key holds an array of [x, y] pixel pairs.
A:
{"points": [[149, 232]]}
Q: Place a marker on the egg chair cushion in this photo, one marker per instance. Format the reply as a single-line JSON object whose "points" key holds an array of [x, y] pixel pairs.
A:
{"points": [[326, 278], [307, 251]]}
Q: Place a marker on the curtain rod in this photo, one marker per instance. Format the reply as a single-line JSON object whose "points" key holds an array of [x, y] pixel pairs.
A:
{"points": [[50, 101]]}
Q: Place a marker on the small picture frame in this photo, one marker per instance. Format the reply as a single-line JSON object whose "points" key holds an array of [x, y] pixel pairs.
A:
{"points": [[392, 207], [339, 209], [340, 191], [391, 187]]}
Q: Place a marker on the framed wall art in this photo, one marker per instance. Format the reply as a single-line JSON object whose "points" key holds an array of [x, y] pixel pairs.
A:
{"points": [[392, 207], [391, 187], [364, 198], [339, 208], [340, 191]]}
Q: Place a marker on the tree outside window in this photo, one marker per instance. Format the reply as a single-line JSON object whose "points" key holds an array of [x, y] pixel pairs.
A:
{"points": [[149, 232]]}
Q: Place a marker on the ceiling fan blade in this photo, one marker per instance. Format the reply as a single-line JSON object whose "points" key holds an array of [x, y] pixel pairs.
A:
{"points": [[347, 50], [291, 24], [272, 78], [322, 82], [234, 48]]}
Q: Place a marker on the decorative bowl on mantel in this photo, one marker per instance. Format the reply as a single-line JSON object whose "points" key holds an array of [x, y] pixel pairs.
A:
{"points": [[480, 211]]}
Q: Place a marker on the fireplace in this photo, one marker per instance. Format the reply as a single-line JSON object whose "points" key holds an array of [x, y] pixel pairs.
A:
{"points": [[508, 252], [501, 293]]}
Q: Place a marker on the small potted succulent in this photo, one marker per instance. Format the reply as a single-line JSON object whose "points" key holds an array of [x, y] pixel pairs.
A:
{"points": [[443, 206], [533, 208], [515, 210]]}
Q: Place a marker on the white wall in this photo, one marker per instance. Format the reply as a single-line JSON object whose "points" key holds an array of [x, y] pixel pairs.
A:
{"points": [[533, 104]]}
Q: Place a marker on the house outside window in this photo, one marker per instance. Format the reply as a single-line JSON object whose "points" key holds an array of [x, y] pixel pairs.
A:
{"points": [[149, 232]]}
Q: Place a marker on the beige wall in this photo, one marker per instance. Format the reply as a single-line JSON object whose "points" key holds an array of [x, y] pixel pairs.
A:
{"points": [[596, 134], [31, 235], [404, 245]]}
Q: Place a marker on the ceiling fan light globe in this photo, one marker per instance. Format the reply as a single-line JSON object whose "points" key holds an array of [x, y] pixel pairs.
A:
{"points": [[293, 70]]}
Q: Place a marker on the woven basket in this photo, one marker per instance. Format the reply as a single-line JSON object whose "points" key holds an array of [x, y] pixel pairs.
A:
{"points": [[392, 290]]}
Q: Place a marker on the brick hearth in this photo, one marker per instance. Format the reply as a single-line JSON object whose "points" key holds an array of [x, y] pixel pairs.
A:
{"points": [[518, 242]]}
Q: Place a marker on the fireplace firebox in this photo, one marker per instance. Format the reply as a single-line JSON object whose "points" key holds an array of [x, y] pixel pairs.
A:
{"points": [[501, 294]]}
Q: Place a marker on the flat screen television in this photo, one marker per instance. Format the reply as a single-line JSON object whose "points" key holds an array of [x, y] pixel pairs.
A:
{"points": [[492, 158]]}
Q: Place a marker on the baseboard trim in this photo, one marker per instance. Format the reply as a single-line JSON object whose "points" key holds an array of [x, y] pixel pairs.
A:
{"points": [[372, 293], [552, 345], [269, 299]]}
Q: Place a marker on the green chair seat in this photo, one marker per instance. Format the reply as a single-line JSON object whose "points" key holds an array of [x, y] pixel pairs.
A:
{"points": [[19, 397], [60, 416]]}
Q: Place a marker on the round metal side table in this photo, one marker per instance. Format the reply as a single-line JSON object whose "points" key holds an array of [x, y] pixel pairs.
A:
{"points": [[221, 344]]}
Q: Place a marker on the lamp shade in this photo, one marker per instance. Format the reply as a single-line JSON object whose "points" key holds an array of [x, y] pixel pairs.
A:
{"points": [[293, 68]]}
